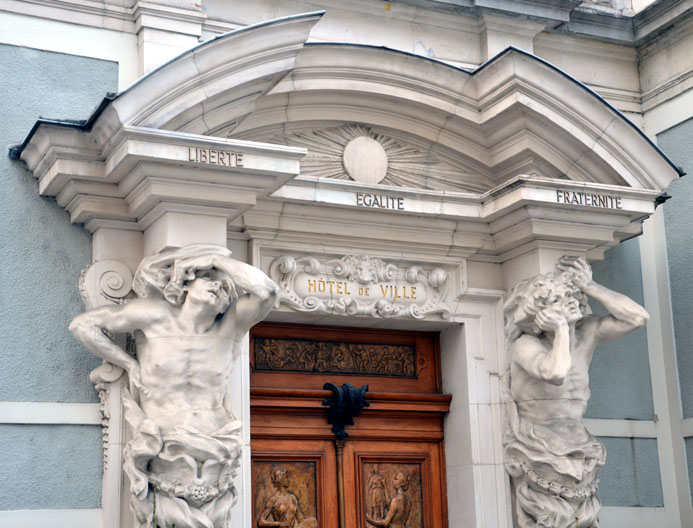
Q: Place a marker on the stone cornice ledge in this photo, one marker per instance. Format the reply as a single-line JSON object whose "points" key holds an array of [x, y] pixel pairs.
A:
{"points": [[140, 173], [483, 207], [517, 216]]}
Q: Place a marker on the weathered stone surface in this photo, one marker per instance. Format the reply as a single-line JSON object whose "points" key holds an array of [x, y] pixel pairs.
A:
{"points": [[194, 306], [552, 459]]}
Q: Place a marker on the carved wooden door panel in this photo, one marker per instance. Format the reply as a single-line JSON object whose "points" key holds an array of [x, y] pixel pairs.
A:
{"points": [[408, 472], [393, 461], [308, 468]]}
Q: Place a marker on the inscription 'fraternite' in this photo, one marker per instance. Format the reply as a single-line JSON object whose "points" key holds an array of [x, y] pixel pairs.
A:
{"points": [[215, 157], [584, 198]]}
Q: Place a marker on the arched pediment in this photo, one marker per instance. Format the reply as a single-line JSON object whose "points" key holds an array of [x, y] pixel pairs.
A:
{"points": [[514, 115], [460, 139]]}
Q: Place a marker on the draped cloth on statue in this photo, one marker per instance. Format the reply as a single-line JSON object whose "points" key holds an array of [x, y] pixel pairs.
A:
{"points": [[554, 465], [181, 478]]}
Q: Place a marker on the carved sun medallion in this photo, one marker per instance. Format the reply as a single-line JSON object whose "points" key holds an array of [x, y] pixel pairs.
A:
{"points": [[365, 160], [360, 153]]}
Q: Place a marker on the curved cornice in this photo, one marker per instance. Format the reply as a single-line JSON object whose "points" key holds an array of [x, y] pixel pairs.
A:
{"points": [[242, 64], [514, 111], [515, 114]]}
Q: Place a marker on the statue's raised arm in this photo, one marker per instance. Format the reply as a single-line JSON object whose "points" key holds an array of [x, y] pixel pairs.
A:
{"points": [[551, 335], [195, 304], [625, 316]]}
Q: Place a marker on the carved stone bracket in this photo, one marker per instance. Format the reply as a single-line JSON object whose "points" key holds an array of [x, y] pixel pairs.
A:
{"points": [[103, 283], [361, 285]]}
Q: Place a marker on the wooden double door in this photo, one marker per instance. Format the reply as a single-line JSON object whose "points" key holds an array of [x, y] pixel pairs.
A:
{"points": [[389, 471]]}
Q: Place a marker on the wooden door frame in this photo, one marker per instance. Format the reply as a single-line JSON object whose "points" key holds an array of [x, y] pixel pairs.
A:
{"points": [[406, 418]]}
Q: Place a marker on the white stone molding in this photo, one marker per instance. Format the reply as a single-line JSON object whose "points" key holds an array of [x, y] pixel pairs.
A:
{"points": [[521, 131], [50, 413], [140, 173], [507, 221], [165, 30], [107, 283], [621, 428], [68, 518], [473, 362], [666, 395], [515, 115], [361, 285], [522, 160], [104, 283]]}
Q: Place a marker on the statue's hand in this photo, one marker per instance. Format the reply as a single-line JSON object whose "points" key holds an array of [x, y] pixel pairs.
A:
{"points": [[548, 319], [184, 269], [582, 272], [136, 381]]}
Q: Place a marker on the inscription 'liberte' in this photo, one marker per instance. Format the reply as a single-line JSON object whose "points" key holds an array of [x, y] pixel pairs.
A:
{"points": [[584, 198], [343, 288], [215, 157], [381, 201]]}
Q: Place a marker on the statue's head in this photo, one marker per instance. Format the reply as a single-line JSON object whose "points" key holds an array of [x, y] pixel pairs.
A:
{"points": [[207, 287], [156, 277], [553, 291], [401, 481], [280, 477]]}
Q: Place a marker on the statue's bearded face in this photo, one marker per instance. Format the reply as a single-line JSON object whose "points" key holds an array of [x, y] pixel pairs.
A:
{"points": [[563, 299], [209, 287]]}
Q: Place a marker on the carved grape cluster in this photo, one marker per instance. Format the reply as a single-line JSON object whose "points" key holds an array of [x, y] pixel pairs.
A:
{"points": [[200, 494]]}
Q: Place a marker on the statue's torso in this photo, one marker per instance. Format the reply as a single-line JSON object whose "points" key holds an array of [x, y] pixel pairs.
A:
{"points": [[187, 377], [541, 401]]}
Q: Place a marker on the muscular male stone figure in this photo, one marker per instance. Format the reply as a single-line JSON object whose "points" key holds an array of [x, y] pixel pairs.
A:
{"points": [[552, 459], [194, 308]]}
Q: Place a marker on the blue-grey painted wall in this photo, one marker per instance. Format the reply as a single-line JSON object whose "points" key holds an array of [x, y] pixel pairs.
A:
{"points": [[42, 255], [620, 370], [50, 466], [631, 474], [622, 389], [677, 142]]}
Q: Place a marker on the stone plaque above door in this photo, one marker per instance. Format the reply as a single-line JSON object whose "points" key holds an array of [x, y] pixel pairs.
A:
{"points": [[363, 285]]}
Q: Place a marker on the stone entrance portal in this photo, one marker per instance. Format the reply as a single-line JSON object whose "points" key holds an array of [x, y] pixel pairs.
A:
{"points": [[378, 190]]}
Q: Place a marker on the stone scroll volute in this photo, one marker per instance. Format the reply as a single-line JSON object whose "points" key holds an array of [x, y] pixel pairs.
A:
{"points": [[551, 334], [193, 307]]}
